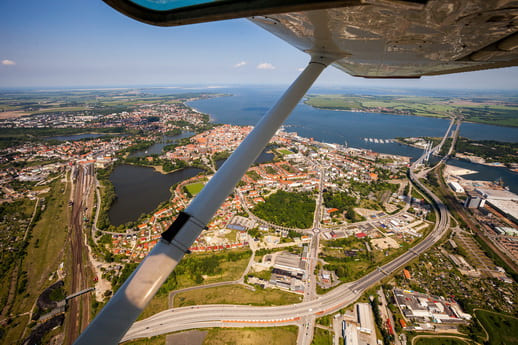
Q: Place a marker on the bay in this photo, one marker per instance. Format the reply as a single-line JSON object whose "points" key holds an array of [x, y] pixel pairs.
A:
{"points": [[247, 105]]}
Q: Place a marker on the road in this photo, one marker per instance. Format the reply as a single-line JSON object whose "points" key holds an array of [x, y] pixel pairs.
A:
{"points": [[78, 312], [302, 314], [307, 323], [177, 319]]}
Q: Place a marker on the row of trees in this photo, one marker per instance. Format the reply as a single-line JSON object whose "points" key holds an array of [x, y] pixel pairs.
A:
{"points": [[108, 197]]}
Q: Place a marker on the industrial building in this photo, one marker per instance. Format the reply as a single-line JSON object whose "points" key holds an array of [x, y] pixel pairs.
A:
{"points": [[419, 307], [289, 271], [474, 201], [456, 187], [365, 318], [502, 201], [358, 328]]}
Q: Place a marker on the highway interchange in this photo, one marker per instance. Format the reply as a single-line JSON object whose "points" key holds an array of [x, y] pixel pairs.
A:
{"points": [[301, 314]]}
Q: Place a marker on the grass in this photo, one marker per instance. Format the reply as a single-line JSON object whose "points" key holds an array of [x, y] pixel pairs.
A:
{"points": [[194, 188], [322, 337], [157, 340], [439, 341], [235, 294], [231, 236], [15, 330], [230, 271], [5, 283], [59, 109], [502, 329], [252, 336], [284, 152], [43, 259], [494, 114], [157, 304]]}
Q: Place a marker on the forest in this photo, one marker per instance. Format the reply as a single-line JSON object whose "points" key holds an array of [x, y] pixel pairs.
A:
{"points": [[490, 150], [294, 210]]}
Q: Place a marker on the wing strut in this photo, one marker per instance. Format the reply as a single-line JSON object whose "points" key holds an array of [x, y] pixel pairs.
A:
{"points": [[125, 306]]}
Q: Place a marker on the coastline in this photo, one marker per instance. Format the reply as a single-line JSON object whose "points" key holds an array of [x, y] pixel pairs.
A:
{"points": [[474, 161], [393, 113]]}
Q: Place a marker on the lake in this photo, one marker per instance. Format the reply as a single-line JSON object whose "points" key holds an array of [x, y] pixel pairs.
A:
{"points": [[141, 189], [73, 137], [157, 147]]}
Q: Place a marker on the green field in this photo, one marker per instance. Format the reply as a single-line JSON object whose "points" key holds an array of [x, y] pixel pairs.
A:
{"points": [[496, 111], [46, 250], [158, 340], [322, 337], [284, 152], [440, 341], [235, 294], [252, 336], [502, 329], [194, 188], [199, 269]]}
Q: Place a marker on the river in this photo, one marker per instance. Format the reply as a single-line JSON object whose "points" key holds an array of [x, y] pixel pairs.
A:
{"points": [[248, 105]]}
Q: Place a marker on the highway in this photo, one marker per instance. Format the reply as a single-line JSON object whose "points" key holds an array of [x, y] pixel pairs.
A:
{"points": [[177, 319]]}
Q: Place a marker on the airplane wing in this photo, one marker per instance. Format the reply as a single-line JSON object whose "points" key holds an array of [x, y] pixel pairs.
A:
{"points": [[368, 38], [400, 39], [371, 38]]}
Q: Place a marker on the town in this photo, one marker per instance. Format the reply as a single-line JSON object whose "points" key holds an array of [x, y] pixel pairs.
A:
{"points": [[308, 217]]}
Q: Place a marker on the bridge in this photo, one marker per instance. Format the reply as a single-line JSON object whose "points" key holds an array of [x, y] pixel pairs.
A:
{"points": [[79, 293]]}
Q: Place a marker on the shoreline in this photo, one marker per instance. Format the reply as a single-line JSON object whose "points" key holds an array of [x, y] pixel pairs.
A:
{"points": [[488, 164], [157, 168], [80, 133], [427, 116]]}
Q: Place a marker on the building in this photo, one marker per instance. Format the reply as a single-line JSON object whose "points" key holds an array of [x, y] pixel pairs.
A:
{"points": [[504, 230], [420, 307], [289, 271], [497, 194], [474, 201], [365, 318], [456, 187], [502, 201]]}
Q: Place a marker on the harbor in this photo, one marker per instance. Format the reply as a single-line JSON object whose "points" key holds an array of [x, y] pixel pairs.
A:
{"points": [[378, 141]]}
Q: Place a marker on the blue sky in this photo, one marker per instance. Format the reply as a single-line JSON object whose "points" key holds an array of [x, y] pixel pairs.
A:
{"points": [[84, 43]]}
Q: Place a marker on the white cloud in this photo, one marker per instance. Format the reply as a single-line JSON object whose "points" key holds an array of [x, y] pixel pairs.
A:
{"points": [[300, 69], [240, 64], [8, 62], [265, 65]]}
